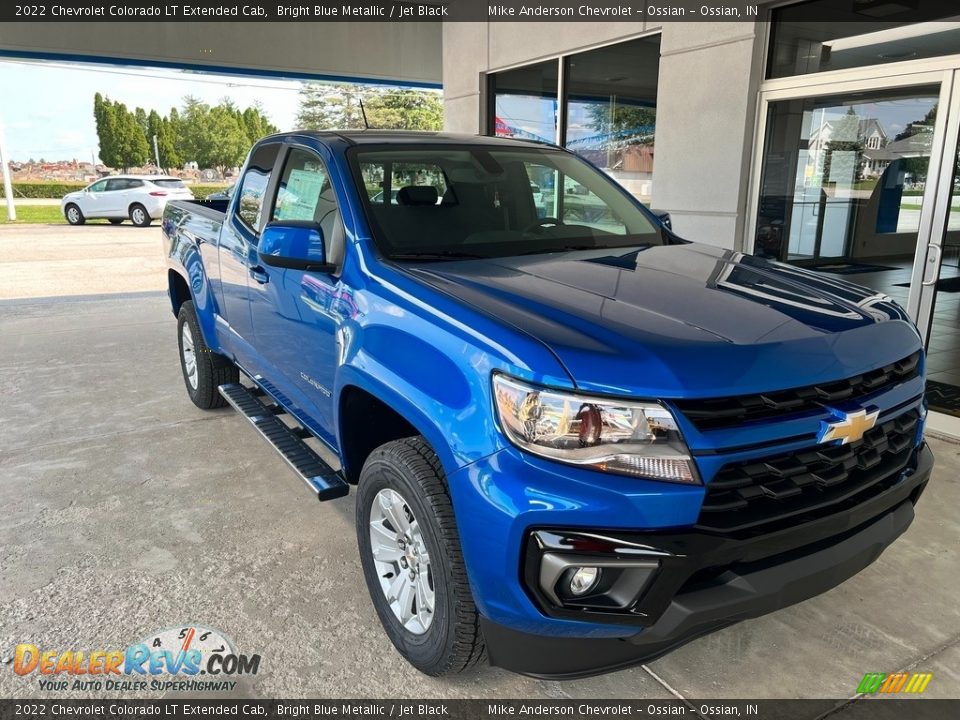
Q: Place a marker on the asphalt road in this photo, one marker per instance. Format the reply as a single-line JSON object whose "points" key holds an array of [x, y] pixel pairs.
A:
{"points": [[126, 510]]}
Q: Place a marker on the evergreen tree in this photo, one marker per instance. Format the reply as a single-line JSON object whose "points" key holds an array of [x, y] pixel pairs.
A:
{"points": [[132, 148], [104, 114], [405, 109], [326, 106]]}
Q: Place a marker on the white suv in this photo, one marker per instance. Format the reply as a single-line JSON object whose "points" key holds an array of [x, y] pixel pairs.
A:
{"points": [[138, 197]]}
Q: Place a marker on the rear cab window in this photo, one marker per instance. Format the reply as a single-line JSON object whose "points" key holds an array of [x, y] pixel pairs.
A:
{"points": [[383, 180]]}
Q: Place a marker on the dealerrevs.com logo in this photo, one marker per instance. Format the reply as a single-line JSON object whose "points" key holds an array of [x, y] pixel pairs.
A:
{"points": [[185, 658]]}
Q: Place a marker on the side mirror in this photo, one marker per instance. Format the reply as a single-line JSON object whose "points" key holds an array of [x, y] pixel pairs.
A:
{"points": [[294, 245]]}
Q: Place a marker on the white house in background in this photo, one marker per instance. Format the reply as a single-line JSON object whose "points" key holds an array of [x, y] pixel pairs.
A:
{"points": [[869, 132]]}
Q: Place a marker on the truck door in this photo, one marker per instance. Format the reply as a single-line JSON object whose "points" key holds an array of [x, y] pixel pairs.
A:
{"points": [[238, 249], [296, 313]]}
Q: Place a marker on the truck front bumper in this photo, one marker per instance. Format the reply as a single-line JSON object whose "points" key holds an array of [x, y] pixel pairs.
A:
{"points": [[702, 582]]}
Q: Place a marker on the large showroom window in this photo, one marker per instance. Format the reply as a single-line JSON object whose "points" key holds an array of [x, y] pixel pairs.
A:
{"points": [[525, 102], [825, 35], [612, 110], [602, 106]]}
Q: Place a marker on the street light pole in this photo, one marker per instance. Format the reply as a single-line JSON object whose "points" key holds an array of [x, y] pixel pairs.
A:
{"points": [[156, 152], [7, 184]]}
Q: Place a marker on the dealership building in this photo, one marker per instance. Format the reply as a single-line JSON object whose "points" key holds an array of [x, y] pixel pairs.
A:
{"points": [[823, 133]]}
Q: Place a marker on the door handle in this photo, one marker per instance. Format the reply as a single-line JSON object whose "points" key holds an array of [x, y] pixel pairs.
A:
{"points": [[933, 263], [259, 274]]}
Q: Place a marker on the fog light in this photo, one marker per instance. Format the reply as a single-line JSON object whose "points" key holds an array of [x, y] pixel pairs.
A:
{"points": [[583, 580]]}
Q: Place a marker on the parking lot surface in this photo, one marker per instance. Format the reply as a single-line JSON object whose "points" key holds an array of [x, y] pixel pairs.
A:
{"points": [[126, 510]]}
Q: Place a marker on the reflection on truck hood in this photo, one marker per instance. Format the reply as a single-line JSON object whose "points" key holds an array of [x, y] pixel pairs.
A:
{"points": [[684, 320]]}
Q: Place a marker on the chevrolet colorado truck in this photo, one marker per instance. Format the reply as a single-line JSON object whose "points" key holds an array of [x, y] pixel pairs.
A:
{"points": [[577, 441]]}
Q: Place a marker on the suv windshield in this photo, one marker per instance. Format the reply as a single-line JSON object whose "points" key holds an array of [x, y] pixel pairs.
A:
{"points": [[438, 202]]}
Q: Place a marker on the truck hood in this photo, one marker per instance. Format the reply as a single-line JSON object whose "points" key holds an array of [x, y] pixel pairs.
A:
{"points": [[683, 320]]}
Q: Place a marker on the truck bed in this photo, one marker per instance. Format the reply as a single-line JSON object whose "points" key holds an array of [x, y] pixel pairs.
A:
{"points": [[213, 209]]}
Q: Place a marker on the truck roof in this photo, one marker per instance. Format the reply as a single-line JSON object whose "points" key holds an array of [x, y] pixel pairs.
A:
{"points": [[403, 137]]}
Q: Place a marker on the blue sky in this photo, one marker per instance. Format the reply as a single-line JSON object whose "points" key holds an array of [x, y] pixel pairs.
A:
{"points": [[48, 108]]}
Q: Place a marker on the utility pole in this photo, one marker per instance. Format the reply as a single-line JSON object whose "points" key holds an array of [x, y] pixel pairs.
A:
{"points": [[7, 184], [156, 152]]}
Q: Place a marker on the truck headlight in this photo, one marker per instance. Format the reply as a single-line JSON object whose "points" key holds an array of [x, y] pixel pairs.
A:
{"points": [[640, 439]]}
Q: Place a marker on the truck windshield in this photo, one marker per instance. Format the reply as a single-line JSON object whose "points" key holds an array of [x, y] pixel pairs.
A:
{"points": [[446, 202]]}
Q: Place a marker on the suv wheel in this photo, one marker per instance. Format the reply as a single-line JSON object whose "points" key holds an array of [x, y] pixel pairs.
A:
{"points": [[139, 216], [203, 369], [410, 552], [74, 215]]}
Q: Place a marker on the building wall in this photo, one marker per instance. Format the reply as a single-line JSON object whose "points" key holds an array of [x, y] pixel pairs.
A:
{"points": [[407, 52], [706, 107]]}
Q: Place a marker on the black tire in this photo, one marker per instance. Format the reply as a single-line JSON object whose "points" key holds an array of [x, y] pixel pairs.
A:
{"points": [[211, 368], [115, 221], [74, 214], [139, 215], [452, 642]]}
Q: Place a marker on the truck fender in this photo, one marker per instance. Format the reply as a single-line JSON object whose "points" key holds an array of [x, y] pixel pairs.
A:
{"points": [[351, 376], [191, 277]]}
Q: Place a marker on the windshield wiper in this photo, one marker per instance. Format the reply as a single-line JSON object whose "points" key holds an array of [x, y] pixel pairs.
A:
{"points": [[441, 255]]}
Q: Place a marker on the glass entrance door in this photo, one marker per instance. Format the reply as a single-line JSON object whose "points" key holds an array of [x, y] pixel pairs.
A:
{"points": [[843, 181], [936, 303], [863, 183]]}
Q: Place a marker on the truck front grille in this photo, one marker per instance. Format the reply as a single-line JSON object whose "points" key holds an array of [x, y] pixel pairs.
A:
{"points": [[717, 413], [816, 481]]}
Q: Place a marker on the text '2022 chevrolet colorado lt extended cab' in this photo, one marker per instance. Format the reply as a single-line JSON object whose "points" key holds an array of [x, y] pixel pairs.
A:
{"points": [[577, 440]]}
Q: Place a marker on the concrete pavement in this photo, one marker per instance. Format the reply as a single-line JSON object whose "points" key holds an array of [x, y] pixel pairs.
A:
{"points": [[126, 510]]}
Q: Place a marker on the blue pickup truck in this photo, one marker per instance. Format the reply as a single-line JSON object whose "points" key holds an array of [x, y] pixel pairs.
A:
{"points": [[577, 441]]}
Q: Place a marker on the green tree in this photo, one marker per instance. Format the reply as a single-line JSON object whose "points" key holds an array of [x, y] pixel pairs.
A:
{"points": [[140, 115], [191, 123], [256, 124], [167, 146], [160, 127], [629, 124], [405, 109], [221, 141], [845, 137], [104, 113], [327, 106], [132, 149], [175, 129], [335, 106]]}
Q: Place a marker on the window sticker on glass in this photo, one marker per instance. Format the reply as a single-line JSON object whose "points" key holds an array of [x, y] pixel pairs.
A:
{"points": [[300, 195]]}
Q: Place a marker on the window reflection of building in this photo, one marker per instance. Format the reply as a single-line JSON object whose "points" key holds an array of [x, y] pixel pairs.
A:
{"points": [[609, 104]]}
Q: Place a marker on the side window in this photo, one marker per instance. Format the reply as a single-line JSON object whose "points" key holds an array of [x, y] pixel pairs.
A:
{"points": [[116, 184], [99, 186], [304, 193], [132, 184], [253, 186]]}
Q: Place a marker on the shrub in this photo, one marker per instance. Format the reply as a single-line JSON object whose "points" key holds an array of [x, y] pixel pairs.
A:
{"points": [[57, 190], [43, 189]]}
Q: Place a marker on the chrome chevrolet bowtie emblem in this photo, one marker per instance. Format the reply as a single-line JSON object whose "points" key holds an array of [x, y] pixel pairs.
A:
{"points": [[849, 428]]}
